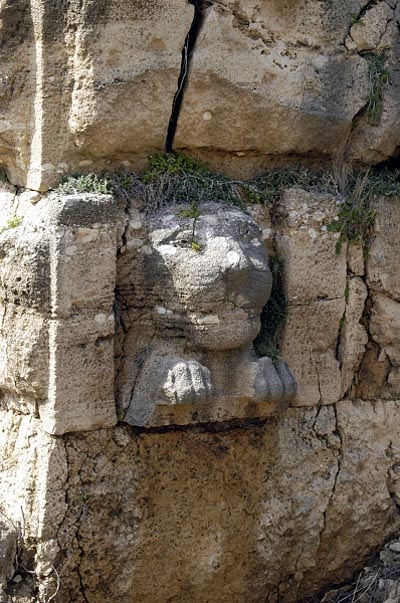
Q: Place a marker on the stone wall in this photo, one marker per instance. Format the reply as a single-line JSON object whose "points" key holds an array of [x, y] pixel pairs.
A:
{"points": [[254, 495], [91, 85], [252, 509]]}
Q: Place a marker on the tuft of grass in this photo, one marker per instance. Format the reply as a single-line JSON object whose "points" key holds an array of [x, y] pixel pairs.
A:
{"points": [[356, 18], [174, 179], [177, 179], [354, 223], [196, 246], [171, 179], [356, 217], [13, 222], [269, 187], [192, 212], [274, 314], [378, 79], [85, 183]]}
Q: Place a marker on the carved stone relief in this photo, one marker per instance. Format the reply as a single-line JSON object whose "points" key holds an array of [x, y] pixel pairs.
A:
{"points": [[113, 313], [206, 279]]}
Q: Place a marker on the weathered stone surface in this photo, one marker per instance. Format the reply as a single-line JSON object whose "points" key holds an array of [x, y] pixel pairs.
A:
{"points": [[33, 492], [202, 282], [8, 550], [102, 77], [353, 335], [125, 62], [385, 330], [315, 283], [272, 79], [376, 140], [207, 278], [355, 259], [57, 279], [369, 435], [383, 272], [281, 79], [368, 29], [281, 505]]}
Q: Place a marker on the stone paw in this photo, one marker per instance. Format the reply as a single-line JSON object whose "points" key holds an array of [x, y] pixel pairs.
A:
{"points": [[187, 382], [273, 380]]}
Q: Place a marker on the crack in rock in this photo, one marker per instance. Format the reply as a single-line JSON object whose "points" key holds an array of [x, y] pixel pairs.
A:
{"points": [[187, 55]]}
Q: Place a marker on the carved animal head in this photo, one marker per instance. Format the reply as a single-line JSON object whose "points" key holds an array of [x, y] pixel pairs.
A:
{"points": [[208, 271]]}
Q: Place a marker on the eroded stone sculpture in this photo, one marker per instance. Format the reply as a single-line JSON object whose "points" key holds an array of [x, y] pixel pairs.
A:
{"points": [[187, 290], [206, 278]]}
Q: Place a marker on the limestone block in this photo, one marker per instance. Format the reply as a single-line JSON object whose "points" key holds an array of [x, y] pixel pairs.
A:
{"points": [[125, 64], [33, 470], [373, 143], [368, 30], [315, 283], [353, 336], [294, 503], [81, 376], [363, 493], [81, 85], [272, 79], [355, 258], [313, 269], [383, 272], [309, 344], [57, 279], [83, 269], [385, 330], [24, 356]]}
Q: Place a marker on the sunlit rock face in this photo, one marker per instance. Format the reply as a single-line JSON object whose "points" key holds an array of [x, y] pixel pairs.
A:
{"points": [[119, 380], [86, 86]]}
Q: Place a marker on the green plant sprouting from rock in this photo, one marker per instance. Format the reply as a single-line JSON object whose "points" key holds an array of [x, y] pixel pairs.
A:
{"points": [[378, 79], [177, 179], [86, 183], [193, 213], [171, 179], [356, 216], [13, 222]]}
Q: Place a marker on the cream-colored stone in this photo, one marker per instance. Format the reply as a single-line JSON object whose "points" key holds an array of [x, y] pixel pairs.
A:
{"points": [[368, 30], [383, 271], [90, 83], [128, 61], [57, 281], [274, 79], [93, 88], [284, 504], [385, 330], [315, 283], [355, 258], [378, 141], [313, 270], [370, 438], [385, 324], [309, 344], [353, 336]]}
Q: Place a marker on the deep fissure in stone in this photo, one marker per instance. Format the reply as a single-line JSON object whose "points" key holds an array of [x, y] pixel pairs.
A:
{"points": [[187, 52]]}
